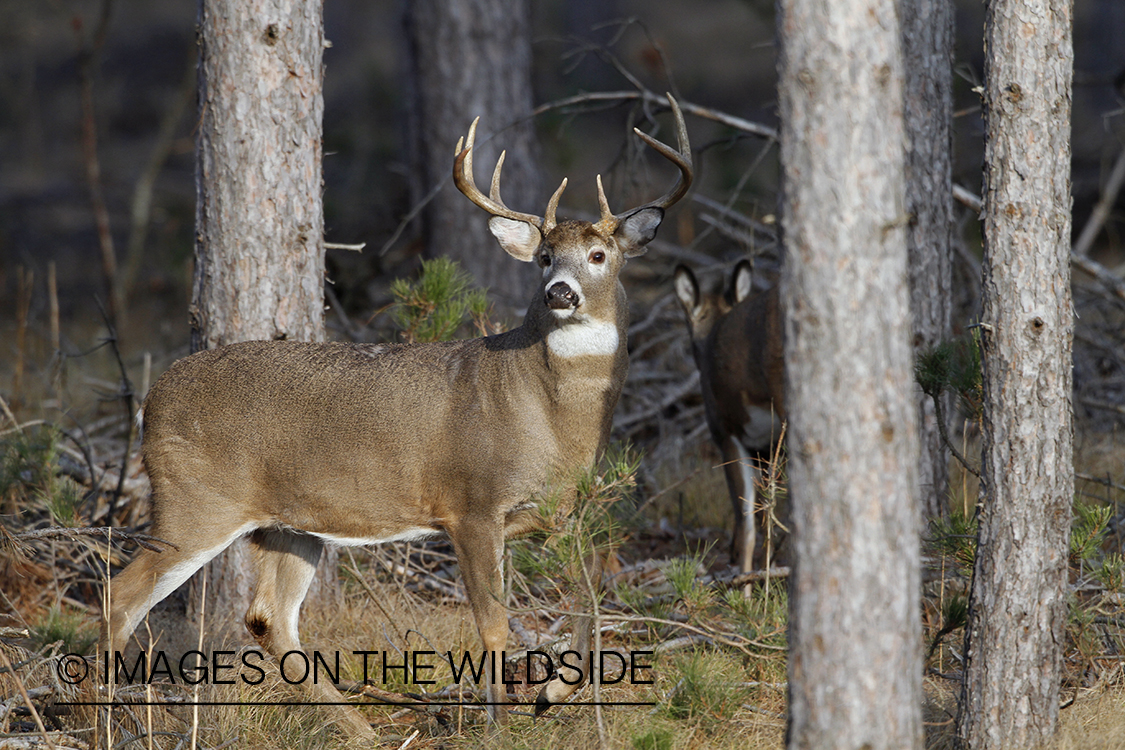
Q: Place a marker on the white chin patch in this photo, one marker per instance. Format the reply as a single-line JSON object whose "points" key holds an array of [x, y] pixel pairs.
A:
{"points": [[583, 339]]}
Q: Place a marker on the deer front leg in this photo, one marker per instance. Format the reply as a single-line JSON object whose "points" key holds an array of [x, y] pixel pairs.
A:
{"points": [[479, 545], [740, 471], [570, 679]]}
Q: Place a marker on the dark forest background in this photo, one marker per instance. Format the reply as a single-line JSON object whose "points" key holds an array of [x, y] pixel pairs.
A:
{"points": [[139, 80]]}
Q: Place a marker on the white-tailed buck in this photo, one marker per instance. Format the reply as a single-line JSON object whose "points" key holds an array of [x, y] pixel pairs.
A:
{"points": [[737, 341], [300, 444]]}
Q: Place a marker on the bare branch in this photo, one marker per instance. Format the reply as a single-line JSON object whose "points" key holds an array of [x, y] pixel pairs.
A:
{"points": [[1102, 208], [738, 123], [151, 543]]}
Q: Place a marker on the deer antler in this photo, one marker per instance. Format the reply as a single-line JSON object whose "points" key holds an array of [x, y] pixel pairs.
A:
{"points": [[463, 178], [682, 159]]}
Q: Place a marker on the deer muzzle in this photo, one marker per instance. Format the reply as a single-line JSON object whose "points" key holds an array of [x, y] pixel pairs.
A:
{"points": [[561, 297]]}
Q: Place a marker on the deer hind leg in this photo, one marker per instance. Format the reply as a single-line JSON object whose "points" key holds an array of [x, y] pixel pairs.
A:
{"points": [[286, 563], [154, 575], [479, 545]]}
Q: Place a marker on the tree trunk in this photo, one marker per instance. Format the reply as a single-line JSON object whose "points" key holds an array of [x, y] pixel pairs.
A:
{"points": [[259, 251], [927, 33], [467, 59], [1017, 609], [855, 672]]}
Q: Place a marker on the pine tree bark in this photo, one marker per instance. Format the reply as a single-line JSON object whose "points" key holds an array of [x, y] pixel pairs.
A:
{"points": [[855, 672], [259, 251], [1017, 609], [927, 33], [467, 59]]}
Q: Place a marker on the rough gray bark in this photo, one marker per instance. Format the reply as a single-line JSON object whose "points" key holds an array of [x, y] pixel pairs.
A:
{"points": [[1017, 609], [927, 33], [467, 59], [855, 671], [259, 250]]}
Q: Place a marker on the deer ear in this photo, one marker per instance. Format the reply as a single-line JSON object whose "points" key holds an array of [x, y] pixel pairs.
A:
{"points": [[637, 230], [687, 289], [742, 283], [518, 238]]}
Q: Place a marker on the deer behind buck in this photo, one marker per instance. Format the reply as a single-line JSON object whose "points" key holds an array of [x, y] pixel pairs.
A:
{"points": [[737, 342], [302, 444]]}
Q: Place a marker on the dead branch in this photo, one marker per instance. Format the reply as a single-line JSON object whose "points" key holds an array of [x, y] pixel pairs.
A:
{"points": [[1102, 208], [649, 97], [150, 543], [751, 576], [87, 61]]}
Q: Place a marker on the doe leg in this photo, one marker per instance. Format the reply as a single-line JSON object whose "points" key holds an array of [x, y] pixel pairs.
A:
{"points": [[151, 577], [741, 474]]}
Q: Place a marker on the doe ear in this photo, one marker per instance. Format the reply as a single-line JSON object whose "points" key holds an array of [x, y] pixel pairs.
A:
{"points": [[742, 282], [637, 230], [518, 238], [687, 288]]}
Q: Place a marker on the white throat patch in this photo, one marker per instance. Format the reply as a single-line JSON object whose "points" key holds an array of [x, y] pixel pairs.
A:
{"points": [[587, 338]]}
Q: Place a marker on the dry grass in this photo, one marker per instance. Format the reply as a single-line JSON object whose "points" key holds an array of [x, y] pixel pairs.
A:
{"points": [[1094, 722], [715, 697]]}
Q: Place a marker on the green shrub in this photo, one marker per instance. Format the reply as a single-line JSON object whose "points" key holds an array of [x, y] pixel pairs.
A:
{"points": [[435, 306]]}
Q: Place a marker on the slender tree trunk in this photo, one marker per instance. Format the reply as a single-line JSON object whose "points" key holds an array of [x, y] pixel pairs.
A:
{"points": [[855, 672], [1017, 609], [927, 33], [467, 59], [259, 251]]}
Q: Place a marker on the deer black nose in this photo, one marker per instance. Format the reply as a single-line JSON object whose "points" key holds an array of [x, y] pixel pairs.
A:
{"points": [[560, 296]]}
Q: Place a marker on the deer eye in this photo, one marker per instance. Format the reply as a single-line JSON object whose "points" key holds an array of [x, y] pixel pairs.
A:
{"points": [[544, 260], [597, 257]]}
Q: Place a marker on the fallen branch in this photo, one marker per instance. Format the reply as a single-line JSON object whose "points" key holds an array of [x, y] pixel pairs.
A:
{"points": [[751, 576]]}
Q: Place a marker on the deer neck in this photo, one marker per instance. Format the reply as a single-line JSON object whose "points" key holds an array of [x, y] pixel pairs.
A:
{"points": [[574, 369], [589, 344]]}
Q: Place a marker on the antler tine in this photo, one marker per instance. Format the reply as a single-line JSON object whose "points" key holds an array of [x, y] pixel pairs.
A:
{"points": [[494, 187], [548, 221], [603, 204], [463, 179], [607, 225], [552, 206], [681, 159]]}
